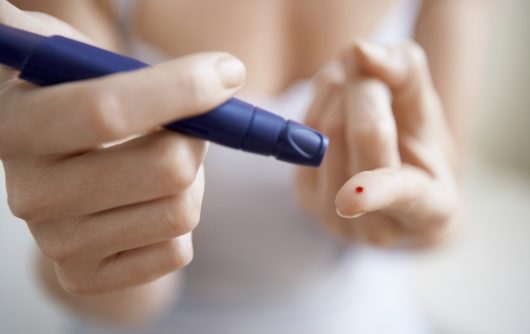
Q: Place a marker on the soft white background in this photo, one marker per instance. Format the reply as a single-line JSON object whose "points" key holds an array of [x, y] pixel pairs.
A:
{"points": [[477, 283]]}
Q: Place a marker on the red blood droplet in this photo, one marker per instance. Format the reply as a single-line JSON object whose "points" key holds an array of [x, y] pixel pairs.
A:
{"points": [[359, 189]]}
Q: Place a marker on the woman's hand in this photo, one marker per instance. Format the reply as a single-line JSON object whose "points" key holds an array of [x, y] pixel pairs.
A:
{"points": [[388, 177], [110, 217]]}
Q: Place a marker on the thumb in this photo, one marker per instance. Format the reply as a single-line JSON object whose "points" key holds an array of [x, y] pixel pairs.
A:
{"points": [[406, 194]]}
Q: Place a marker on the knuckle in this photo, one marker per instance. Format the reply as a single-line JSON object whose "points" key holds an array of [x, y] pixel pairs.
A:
{"points": [[333, 76], [23, 206], [378, 134], [58, 241], [54, 253], [105, 113], [195, 81], [371, 94], [181, 216], [373, 90], [18, 207], [58, 252], [417, 54], [179, 254], [176, 164], [82, 281]]}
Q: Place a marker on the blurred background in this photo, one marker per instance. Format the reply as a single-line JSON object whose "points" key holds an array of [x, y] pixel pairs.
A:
{"points": [[476, 283]]}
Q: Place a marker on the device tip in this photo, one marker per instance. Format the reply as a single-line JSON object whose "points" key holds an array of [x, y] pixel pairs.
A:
{"points": [[301, 145]]}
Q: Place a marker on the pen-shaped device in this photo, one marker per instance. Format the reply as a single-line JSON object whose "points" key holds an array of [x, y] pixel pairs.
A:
{"points": [[52, 60]]}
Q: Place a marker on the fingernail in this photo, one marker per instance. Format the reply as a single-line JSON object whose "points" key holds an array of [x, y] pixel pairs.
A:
{"points": [[231, 71], [357, 215], [373, 51]]}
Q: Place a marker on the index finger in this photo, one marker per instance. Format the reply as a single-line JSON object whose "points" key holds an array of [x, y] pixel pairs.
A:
{"points": [[79, 116], [407, 194]]}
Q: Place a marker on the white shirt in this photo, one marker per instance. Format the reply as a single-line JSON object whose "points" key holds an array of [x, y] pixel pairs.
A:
{"points": [[262, 266]]}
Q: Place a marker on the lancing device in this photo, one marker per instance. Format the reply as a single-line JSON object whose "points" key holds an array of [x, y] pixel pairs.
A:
{"points": [[53, 60]]}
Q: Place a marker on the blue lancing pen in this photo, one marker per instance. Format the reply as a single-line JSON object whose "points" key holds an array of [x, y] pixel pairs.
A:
{"points": [[53, 60]]}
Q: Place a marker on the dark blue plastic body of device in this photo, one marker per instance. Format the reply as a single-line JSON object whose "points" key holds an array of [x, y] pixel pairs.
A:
{"points": [[237, 124]]}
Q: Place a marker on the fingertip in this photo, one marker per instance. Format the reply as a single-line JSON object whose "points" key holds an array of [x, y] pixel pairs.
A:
{"points": [[349, 60], [353, 199], [373, 59], [386, 63], [367, 191], [371, 53]]}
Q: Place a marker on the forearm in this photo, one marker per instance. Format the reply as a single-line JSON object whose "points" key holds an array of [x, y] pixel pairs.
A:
{"points": [[131, 307]]}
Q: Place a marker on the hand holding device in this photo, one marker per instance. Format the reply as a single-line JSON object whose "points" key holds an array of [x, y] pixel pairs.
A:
{"points": [[110, 218], [237, 124]]}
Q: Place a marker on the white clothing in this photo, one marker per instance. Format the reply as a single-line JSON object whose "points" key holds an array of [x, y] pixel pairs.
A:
{"points": [[262, 266]]}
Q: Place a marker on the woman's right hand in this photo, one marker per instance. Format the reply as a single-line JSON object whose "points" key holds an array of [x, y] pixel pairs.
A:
{"points": [[110, 217]]}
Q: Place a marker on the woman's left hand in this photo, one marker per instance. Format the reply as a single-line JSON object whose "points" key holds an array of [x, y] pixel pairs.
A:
{"points": [[389, 175]]}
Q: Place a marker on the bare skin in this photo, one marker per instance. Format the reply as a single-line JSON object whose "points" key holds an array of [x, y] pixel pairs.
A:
{"points": [[395, 130], [98, 232], [389, 177]]}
